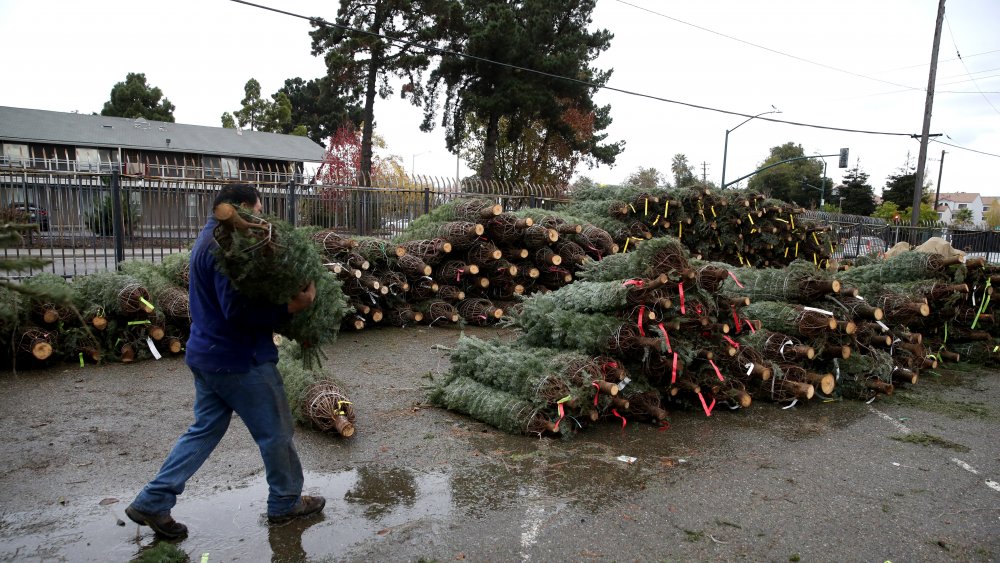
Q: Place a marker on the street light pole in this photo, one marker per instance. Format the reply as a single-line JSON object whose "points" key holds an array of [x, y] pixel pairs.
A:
{"points": [[413, 161], [725, 148], [822, 185]]}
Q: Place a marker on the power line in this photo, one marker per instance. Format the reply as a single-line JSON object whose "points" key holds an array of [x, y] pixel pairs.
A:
{"points": [[320, 21], [439, 51], [921, 65], [964, 148], [959, 55], [775, 51]]}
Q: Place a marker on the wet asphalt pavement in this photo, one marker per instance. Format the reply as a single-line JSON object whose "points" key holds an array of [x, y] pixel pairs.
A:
{"points": [[914, 477]]}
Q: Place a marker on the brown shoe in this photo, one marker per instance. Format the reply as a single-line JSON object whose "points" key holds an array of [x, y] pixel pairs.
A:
{"points": [[163, 524], [307, 505]]}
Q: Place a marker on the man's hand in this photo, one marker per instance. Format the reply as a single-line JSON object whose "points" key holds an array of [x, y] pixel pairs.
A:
{"points": [[303, 300]]}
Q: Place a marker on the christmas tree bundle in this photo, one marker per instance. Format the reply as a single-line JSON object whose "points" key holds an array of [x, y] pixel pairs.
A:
{"points": [[542, 375], [50, 298], [799, 282], [497, 408], [316, 399], [270, 261]]}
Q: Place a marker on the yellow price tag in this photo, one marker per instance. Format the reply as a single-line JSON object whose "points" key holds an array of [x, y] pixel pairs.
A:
{"points": [[645, 209], [713, 211], [751, 218]]}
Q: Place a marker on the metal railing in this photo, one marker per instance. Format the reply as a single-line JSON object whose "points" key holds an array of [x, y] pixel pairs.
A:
{"points": [[856, 235], [91, 221]]}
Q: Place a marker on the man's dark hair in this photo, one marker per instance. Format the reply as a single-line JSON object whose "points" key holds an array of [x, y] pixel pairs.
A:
{"points": [[237, 194]]}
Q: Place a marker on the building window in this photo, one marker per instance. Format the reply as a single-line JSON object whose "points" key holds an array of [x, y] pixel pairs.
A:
{"points": [[192, 207], [986, 208], [963, 206], [15, 154], [93, 160], [221, 167]]}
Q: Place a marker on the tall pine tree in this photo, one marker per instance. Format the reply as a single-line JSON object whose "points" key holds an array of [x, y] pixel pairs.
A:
{"points": [[492, 100], [372, 42], [855, 195]]}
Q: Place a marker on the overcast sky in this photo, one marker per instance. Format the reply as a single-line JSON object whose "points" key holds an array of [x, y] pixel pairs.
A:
{"points": [[855, 64]]}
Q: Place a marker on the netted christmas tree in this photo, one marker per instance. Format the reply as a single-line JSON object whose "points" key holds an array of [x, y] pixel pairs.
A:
{"points": [[270, 261], [316, 398]]}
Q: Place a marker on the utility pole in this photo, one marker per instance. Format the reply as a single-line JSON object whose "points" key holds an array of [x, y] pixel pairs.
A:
{"points": [[937, 194], [704, 172], [918, 187]]}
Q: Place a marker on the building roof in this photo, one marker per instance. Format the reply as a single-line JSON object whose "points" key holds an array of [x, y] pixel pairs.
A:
{"points": [[990, 199], [959, 197], [59, 128]]}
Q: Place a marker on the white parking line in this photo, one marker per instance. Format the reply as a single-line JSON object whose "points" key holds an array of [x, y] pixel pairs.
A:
{"points": [[989, 483], [965, 466], [899, 425], [532, 525], [902, 428]]}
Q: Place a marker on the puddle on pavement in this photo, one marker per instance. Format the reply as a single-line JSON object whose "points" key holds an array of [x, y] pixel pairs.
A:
{"points": [[363, 505]]}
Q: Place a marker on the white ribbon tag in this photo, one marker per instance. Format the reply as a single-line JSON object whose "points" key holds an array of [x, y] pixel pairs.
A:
{"points": [[749, 367], [815, 310], [882, 325], [152, 348]]}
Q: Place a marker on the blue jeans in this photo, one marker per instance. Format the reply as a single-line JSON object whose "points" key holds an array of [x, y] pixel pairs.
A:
{"points": [[258, 397]]}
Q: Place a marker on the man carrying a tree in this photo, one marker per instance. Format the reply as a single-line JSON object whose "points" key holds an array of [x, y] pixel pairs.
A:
{"points": [[233, 357]]}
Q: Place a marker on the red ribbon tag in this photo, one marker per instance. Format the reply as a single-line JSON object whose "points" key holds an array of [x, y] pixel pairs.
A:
{"points": [[750, 324], [680, 288], [624, 422], [731, 341], [642, 311], [708, 408], [673, 376], [637, 283], [732, 275], [458, 276], [717, 372], [562, 413], [666, 339], [596, 392], [736, 321], [664, 426]]}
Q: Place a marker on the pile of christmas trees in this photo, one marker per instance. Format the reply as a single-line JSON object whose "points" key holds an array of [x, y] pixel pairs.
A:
{"points": [[464, 262], [691, 333], [142, 310]]}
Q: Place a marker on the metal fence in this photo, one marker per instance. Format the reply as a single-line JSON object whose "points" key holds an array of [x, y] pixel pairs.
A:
{"points": [[856, 235], [91, 220]]}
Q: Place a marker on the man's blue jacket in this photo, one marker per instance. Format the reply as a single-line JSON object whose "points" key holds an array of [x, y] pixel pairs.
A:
{"points": [[229, 333]]}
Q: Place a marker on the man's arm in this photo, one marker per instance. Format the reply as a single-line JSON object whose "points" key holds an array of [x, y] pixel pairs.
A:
{"points": [[238, 309]]}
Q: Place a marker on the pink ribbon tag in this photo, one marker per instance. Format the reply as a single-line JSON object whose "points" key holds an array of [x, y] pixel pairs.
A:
{"points": [[666, 339], [708, 408], [732, 275], [624, 422], [673, 376], [680, 289], [717, 372]]}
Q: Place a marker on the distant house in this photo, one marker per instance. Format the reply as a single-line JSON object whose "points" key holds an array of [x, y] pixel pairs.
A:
{"points": [[83, 150], [950, 203]]}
